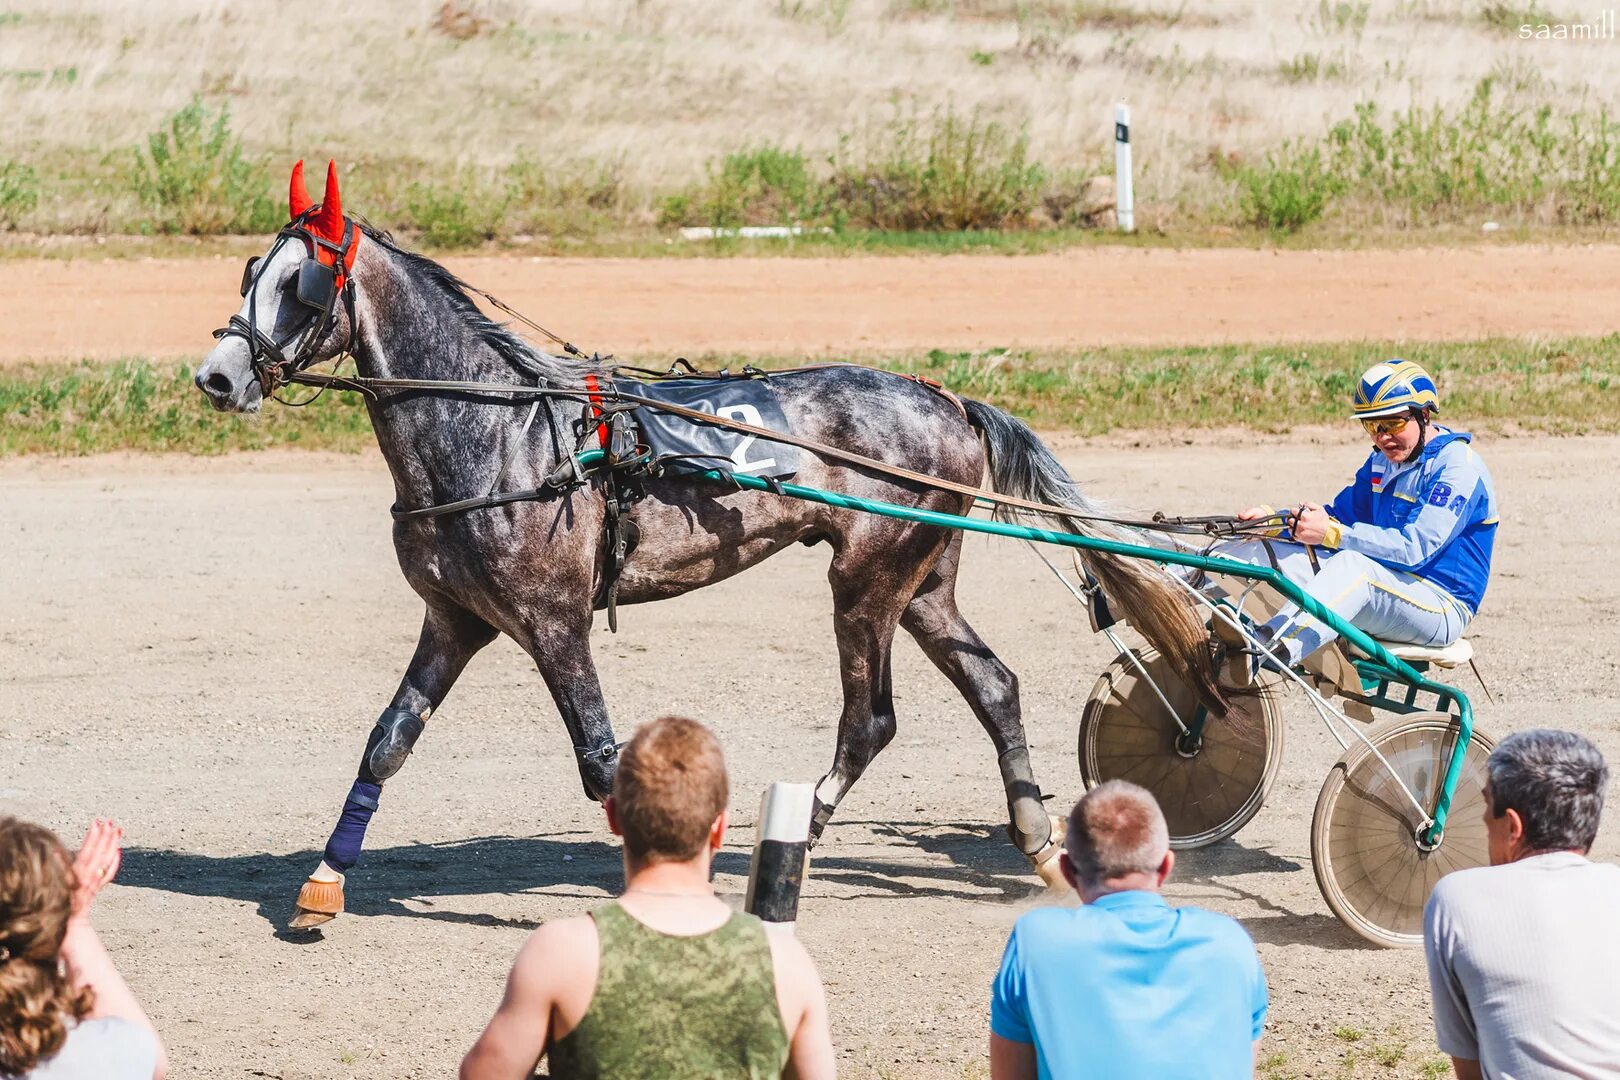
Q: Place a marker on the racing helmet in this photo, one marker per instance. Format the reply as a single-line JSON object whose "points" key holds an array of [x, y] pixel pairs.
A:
{"points": [[1392, 387]]}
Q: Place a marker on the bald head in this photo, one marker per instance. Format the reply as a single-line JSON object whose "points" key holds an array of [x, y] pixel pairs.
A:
{"points": [[1116, 829]]}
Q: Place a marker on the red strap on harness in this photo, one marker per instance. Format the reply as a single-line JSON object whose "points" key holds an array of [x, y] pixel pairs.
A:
{"points": [[593, 390]]}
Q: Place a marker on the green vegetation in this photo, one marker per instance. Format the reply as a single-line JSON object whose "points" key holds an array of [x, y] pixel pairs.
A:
{"points": [[941, 173], [766, 185], [196, 178], [454, 217], [948, 173], [1496, 154], [1491, 154], [1506, 153], [1568, 386], [1313, 67], [90, 408], [1288, 191], [1506, 15], [19, 192]]}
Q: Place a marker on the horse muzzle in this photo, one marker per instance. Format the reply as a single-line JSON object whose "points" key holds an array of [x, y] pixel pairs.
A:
{"points": [[228, 381]]}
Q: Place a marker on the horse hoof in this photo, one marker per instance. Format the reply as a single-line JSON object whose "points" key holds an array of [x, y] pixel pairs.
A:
{"points": [[318, 902], [1047, 865]]}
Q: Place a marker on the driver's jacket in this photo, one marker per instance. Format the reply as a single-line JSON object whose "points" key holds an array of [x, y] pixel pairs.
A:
{"points": [[1435, 517]]}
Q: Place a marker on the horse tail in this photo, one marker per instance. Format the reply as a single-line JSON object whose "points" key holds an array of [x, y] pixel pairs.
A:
{"points": [[1022, 466]]}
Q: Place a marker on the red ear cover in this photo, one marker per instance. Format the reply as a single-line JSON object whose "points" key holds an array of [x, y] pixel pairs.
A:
{"points": [[328, 220], [298, 199]]}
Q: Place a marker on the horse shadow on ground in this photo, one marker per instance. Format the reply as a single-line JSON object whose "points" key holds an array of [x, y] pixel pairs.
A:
{"points": [[966, 861], [412, 880], [422, 873]]}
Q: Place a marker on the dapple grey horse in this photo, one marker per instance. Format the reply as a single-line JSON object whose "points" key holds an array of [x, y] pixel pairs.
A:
{"points": [[531, 569]]}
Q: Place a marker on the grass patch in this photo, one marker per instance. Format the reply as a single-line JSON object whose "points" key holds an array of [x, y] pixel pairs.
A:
{"points": [[91, 408], [195, 177], [1499, 154], [944, 172], [1568, 386], [1509, 15], [19, 192], [1067, 14], [1289, 190], [764, 185], [1312, 67]]}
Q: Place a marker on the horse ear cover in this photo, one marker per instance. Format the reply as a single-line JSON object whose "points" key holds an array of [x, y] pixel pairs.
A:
{"points": [[328, 220], [298, 199]]}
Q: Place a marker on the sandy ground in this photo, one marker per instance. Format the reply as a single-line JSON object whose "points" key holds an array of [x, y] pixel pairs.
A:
{"points": [[158, 307], [199, 647]]}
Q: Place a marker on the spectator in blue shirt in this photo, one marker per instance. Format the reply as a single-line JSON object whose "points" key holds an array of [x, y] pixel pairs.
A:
{"points": [[1124, 986]]}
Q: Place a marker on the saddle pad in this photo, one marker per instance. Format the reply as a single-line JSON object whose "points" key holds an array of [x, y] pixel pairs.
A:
{"points": [[700, 446]]}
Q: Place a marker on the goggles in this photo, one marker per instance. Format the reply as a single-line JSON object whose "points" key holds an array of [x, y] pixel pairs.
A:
{"points": [[1386, 425]]}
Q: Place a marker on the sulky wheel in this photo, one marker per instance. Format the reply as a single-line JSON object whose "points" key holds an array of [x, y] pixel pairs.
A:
{"points": [[1208, 789], [1371, 868]]}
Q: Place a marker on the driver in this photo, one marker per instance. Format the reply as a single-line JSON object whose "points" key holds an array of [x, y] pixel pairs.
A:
{"points": [[1404, 552]]}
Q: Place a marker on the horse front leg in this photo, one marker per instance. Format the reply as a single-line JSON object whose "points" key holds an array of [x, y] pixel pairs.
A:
{"points": [[449, 639], [563, 656]]}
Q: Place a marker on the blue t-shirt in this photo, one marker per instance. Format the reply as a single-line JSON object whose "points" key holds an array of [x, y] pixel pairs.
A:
{"points": [[1128, 986]]}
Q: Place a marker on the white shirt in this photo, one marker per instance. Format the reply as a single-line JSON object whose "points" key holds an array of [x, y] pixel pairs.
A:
{"points": [[1524, 966]]}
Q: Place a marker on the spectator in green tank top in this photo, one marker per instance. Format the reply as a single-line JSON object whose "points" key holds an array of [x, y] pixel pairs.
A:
{"points": [[666, 980]]}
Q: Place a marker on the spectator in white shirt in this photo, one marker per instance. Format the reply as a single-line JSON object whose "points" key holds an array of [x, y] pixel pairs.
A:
{"points": [[1524, 954]]}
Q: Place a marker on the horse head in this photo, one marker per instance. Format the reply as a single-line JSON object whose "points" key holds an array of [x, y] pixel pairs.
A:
{"points": [[297, 303]]}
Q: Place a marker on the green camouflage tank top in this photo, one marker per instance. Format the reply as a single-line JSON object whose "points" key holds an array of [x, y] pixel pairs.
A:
{"points": [[677, 1007]]}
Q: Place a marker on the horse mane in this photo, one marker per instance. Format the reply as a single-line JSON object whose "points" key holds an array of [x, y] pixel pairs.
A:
{"points": [[499, 337]]}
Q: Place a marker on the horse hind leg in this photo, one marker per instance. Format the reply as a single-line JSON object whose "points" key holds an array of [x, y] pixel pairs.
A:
{"points": [[991, 690], [866, 610]]}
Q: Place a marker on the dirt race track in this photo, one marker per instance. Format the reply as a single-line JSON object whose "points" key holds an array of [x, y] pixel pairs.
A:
{"points": [[812, 306], [199, 647]]}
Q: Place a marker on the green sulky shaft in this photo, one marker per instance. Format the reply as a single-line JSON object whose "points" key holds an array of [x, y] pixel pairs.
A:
{"points": [[1403, 671]]}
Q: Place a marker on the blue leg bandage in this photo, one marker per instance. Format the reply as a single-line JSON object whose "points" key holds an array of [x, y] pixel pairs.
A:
{"points": [[343, 849]]}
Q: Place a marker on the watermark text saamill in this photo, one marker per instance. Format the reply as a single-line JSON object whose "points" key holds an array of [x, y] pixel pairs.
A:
{"points": [[1600, 30]]}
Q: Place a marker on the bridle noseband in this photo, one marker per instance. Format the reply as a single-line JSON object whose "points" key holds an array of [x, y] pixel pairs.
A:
{"points": [[319, 285]]}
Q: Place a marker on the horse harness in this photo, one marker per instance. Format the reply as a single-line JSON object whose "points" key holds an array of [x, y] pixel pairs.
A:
{"points": [[318, 287], [607, 423]]}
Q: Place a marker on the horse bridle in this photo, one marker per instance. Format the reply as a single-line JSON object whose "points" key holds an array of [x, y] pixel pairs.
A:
{"points": [[317, 290]]}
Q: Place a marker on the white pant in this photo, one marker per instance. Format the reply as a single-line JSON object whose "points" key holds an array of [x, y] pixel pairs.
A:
{"points": [[1390, 605]]}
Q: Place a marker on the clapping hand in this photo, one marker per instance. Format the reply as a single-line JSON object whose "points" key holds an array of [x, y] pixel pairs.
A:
{"points": [[96, 864]]}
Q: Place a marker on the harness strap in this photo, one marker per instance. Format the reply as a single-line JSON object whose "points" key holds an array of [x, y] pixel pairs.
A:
{"points": [[593, 389], [614, 395]]}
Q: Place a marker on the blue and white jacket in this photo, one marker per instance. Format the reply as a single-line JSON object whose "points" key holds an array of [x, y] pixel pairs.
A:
{"points": [[1434, 517]]}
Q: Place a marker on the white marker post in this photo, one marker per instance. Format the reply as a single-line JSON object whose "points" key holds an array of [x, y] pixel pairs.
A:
{"points": [[781, 854], [1124, 199]]}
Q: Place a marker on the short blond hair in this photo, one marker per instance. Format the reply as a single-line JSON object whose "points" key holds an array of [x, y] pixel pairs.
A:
{"points": [[670, 786]]}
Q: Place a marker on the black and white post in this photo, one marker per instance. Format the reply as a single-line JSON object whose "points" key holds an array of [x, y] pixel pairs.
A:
{"points": [[781, 853], [1124, 198]]}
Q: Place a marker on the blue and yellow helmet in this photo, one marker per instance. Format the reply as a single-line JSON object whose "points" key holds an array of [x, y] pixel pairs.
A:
{"points": [[1392, 387]]}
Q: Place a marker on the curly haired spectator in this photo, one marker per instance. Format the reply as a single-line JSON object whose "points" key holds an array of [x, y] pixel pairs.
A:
{"points": [[65, 1012]]}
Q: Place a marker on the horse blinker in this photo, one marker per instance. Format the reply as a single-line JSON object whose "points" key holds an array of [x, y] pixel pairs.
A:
{"points": [[248, 273], [317, 285]]}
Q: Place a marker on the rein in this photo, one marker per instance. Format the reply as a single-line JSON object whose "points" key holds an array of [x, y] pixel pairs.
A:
{"points": [[1218, 526]]}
